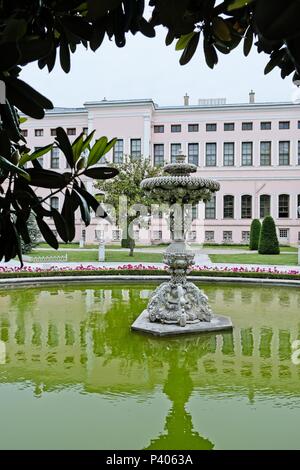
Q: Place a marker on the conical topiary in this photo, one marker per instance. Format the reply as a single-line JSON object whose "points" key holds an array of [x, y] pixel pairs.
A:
{"points": [[268, 241], [254, 234]]}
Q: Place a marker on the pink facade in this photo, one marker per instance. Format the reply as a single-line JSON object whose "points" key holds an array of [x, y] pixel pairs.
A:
{"points": [[252, 149]]}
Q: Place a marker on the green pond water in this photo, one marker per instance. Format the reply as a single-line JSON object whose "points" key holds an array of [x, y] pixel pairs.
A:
{"points": [[73, 375]]}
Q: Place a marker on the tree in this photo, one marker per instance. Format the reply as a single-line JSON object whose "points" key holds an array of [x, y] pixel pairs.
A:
{"points": [[130, 175], [34, 235], [268, 241], [254, 234], [44, 30]]}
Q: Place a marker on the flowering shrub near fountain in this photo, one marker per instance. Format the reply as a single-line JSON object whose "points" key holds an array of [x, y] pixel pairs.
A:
{"points": [[179, 306]]}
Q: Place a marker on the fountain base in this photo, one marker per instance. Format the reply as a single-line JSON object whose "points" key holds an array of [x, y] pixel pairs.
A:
{"points": [[216, 323]]}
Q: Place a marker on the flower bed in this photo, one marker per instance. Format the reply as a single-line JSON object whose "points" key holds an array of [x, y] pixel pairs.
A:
{"points": [[128, 269]]}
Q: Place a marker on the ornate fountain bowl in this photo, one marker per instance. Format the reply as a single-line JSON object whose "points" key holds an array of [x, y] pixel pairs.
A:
{"points": [[179, 306]]}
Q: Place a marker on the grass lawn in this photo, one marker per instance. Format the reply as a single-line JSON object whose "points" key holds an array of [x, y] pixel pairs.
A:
{"points": [[290, 259], [95, 246], [86, 255]]}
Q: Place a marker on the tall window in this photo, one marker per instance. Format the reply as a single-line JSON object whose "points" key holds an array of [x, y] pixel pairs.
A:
{"points": [[298, 206], [159, 129], [39, 132], [247, 126], [194, 212], [265, 205], [266, 126], [175, 149], [265, 153], [283, 206], [228, 126], [136, 148], [193, 154], [24, 132], [85, 130], [176, 128], [210, 208], [54, 159], [284, 153], [53, 132], [211, 127], [298, 152], [71, 131], [246, 212], [228, 158], [247, 153], [211, 154], [228, 207], [158, 154], [284, 124], [118, 151], [54, 203], [193, 127]]}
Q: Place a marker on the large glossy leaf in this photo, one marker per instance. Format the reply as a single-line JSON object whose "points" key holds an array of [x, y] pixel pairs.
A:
{"points": [[97, 151], [46, 178], [68, 213], [221, 29], [7, 165], [98, 9], [236, 4], [61, 225], [47, 233], [101, 173], [84, 208], [34, 49], [88, 141], [65, 145], [210, 54], [78, 26], [190, 49], [5, 146], [248, 41], [77, 147], [34, 155], [64, 52], [9, 55], [91, 201], [184, 40]]}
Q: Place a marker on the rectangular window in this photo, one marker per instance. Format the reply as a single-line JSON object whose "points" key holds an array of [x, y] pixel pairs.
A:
{"points": [[228, 157], [245, 236], [211, 127], [38, 132], [228, 126], [211, 154], [157, 235], [71, 131], [193, 235], [284, 124], [247, 153], [228, 209], [283, 233], [136, 148], [175, 150], [118, 151], [298, 124], [246, 212], [210, 208], [158, 154], [298, 152], [227, 236], [194, 212], [247, 126], [266, 126], [265, 205], [299, 237], [54, 159], [298, 206], [85, 130], [283, 206], [159, 129], [193, 154], [284, 153], [209, 235], [193, 127], [176, 128], [265, 153], [24, 132], [53, 132], [116, 235]]}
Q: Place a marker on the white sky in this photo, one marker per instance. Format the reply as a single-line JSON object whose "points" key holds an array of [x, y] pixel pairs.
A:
{"points": [[146, 68]]}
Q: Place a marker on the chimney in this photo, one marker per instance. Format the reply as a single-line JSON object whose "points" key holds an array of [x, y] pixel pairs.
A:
{"points": [[251, 97], [186, 100]]}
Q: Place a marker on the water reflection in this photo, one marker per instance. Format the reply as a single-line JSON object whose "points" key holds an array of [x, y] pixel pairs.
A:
{"points": [[59, 338]]}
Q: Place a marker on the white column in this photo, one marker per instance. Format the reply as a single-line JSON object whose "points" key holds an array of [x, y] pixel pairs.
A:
{"points": [[147, 136]]}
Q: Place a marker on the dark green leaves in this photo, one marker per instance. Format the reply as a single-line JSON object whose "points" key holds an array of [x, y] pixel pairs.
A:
{"points": [[101, 173], [276, 58], [210, 54], [25, 98], [46, 178], [65, 145], [47, 233], [34, 155], [248, 41], [190, 49], [99, 149], [61, 225], [7, 165]]}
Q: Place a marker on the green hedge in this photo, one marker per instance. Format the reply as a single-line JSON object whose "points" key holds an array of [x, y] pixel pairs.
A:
{"points": [[146, 272], [254, 234], [268, 241]]}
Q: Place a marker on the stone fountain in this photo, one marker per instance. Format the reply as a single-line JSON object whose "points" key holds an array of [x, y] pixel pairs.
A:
{"points": [[179, 306]]}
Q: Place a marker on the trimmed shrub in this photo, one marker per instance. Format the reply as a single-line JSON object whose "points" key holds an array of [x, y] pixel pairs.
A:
{"points": [[268, 241], [254, 234]]}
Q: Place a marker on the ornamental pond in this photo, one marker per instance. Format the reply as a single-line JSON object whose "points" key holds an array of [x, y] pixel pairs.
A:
{"points": [[73, 375]]}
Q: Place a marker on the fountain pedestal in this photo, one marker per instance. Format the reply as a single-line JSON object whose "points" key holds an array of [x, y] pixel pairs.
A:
{"points": [[179, 306]]}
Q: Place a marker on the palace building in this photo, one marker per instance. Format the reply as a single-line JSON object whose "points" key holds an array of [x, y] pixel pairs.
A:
{"points": [[252, 149]]}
